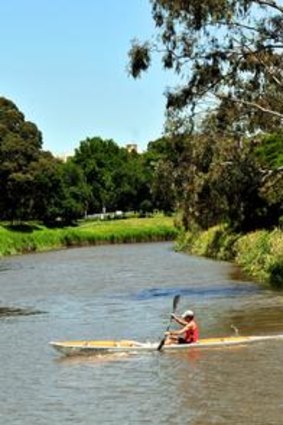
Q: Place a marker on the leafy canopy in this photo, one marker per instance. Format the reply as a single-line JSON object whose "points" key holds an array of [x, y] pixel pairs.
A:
{"points": [[227, 53]]}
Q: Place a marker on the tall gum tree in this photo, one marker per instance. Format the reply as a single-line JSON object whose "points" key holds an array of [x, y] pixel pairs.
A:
{"points": [[228, 56], [225, 52]]}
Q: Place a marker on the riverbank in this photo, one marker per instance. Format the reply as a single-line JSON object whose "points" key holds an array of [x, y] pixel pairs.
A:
{"points": [[37, 238], [260, 253]]}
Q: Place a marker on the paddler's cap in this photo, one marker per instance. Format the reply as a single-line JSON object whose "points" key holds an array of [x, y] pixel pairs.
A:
{"points": [[188, 313]]}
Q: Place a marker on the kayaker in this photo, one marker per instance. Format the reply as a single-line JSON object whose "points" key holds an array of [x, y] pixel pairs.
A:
{"points": [[187, 334]]}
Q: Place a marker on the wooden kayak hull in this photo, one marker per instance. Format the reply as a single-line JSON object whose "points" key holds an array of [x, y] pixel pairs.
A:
{"points": [[71, 348]]}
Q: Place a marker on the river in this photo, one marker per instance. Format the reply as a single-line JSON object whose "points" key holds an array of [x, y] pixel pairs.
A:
{"points": [[126, 291]]}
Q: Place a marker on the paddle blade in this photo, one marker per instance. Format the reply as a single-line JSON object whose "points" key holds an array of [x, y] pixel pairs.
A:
{"points": [[176, 302], [162, 342]]}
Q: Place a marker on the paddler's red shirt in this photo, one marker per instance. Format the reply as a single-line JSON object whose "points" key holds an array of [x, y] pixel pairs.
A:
{"points": [[192, 334]]}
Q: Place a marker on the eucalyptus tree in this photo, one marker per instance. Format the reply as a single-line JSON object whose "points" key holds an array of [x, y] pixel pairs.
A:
{"points": [[228, 57], [227, 53], [270, 156]]}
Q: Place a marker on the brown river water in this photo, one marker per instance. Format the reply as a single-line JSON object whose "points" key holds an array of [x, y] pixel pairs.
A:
{"points": [[126, 291]]}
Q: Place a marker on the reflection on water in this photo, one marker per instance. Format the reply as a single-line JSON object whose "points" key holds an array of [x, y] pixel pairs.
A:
{"points": [[96, 359], [15, 311], [126, 292]]}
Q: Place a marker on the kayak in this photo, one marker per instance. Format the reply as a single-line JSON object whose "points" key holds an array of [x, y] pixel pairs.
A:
{"points": [[69, 348]]}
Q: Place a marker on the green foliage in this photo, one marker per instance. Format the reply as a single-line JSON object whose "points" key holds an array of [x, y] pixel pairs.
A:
{"points": [[228, 55], [216, 242], [139, 59], [210, 180], [20, 144], [259, 253], [118, 179], [270, 150], [237, 179], [48, 188], [97, 159], [33, 183], [76, 192], [227, 52]]}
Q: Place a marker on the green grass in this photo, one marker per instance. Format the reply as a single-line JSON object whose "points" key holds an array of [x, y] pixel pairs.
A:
{"points": [[259, 253], [35, 238]]}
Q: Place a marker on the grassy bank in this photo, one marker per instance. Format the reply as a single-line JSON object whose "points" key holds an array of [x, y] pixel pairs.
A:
{"points": [[259, 253], [39, 238]]}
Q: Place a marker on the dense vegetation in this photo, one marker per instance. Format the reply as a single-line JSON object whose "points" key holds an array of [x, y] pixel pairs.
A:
{"points": [[259, 253]]}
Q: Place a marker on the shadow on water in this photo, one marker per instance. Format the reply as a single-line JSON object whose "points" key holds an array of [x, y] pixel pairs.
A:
{"points": [[219, 292], [15, 311]]}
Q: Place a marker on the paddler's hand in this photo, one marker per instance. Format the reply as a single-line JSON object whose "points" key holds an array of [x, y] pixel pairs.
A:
{"points": [[173, 316], [167, 333]]}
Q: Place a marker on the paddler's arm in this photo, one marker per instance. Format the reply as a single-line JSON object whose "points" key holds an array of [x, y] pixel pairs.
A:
{"points": [[179, 320], [179, 332]]}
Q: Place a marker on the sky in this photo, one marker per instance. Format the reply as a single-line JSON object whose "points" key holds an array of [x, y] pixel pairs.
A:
{"points": [[64, 64]]}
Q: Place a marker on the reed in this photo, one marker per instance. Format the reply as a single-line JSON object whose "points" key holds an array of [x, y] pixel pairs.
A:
{"points": [[260, 253], [157, 228]]}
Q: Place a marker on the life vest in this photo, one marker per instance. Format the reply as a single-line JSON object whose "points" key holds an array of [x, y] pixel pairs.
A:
{"points": [[192, 334]]}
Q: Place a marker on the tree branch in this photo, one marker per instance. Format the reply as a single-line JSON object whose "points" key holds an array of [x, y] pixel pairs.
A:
{"points": [[266, 67], [252, 104], [270, 3], [271, 173]]}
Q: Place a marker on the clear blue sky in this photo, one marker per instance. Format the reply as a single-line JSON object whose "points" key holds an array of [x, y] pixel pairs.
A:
{"points": [[63, 63]]}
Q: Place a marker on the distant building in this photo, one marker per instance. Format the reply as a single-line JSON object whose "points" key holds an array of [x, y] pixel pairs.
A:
{"points": [[132, 147], [64, 156]]}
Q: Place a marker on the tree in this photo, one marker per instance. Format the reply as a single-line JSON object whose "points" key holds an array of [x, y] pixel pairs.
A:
{"points": [[237, 179], [48, 187], [118, 179], [227, 53], [214, 180], [76, 192], [269, 152], [20, 145], [132, 182], [60, 190], [98, 158]]}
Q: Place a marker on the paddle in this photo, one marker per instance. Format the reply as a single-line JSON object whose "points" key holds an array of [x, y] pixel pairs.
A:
{"points": [[175, 303]]}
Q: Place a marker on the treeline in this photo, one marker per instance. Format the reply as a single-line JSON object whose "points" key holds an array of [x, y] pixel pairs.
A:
{"points": [[99, 176], [205, 176]]}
